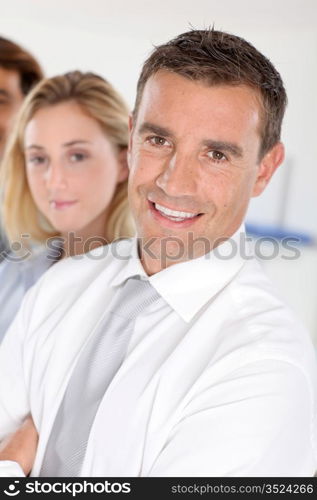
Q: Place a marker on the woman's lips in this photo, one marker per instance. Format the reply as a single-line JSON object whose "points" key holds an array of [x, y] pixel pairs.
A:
{"points": [[61, 205]]}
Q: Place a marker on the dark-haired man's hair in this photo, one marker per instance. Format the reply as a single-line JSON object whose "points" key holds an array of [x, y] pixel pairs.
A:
{"points": [[219, 58], [13, 57]]}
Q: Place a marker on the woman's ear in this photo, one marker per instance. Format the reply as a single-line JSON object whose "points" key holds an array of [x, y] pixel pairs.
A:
{"points": [[123, 165], [269, 163]]}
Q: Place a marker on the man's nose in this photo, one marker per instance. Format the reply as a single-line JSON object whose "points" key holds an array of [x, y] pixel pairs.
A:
{"points": [[178, 176]]}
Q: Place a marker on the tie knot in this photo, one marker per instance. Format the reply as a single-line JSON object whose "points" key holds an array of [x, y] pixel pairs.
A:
{"points": [[133, 297]]}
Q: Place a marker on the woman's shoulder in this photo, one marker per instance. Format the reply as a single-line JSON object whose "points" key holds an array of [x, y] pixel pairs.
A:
{"points": [[18, 273], [26, 266]]}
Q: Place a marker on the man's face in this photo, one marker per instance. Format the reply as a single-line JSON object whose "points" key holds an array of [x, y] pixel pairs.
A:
{"points": [[11, 98], [194, 164]]}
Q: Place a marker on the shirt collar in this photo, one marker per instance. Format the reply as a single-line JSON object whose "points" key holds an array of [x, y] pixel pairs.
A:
{"points": [[188, 286]]}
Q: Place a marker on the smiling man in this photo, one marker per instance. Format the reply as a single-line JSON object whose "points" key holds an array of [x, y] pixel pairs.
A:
{"points": [[171, 355], [197, 156]]}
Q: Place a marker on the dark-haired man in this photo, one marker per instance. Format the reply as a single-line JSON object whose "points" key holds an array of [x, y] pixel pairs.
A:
{"points": [[19, 72], [203, 370]]}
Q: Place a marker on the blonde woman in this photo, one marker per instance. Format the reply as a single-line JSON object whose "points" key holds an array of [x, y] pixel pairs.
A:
{"points": [[64, 175]]}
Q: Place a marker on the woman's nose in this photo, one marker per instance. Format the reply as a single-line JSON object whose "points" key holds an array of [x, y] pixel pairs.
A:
{"points": [[55, 177]]}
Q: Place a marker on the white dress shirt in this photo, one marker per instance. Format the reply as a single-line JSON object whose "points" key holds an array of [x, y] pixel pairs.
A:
{"points": [[219, 379]]}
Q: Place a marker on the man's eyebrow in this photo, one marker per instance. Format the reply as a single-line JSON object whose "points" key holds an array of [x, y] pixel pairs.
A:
{"points": [[147, 127], [229, 147]]}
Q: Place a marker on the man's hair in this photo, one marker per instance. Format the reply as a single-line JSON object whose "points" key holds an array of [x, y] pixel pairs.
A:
{"points": [[219, 58], [13, 57]]}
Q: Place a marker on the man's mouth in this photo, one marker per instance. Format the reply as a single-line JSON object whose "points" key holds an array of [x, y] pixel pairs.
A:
{"points": [[178, 216]]}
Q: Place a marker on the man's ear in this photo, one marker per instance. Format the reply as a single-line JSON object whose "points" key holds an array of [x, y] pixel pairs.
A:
{"points": [[124, 155], [269, 163], [123, 165]]}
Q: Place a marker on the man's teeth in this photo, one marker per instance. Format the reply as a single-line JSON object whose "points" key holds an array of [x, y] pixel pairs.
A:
{"points": [[174, 214]]}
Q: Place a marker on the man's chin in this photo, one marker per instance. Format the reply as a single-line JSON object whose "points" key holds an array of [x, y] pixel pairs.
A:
{"points": [[160, 251]]}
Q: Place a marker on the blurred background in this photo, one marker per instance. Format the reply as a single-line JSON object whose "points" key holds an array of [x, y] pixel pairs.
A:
{"points": [[113, 37]]}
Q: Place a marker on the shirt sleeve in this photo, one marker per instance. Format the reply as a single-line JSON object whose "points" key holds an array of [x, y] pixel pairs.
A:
{"points": [[12, 291], [257, 421], [14, 401], [10, 469]]}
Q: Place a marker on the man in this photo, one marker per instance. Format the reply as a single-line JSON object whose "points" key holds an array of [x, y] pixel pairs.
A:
{"points": [[19, 72], [217, 377]]}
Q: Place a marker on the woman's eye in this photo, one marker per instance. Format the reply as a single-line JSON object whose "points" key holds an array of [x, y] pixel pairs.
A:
{"points": [[37, 160], [74, 157], [156, 140], [217, 156]]}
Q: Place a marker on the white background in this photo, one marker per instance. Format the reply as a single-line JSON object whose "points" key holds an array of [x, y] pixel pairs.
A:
{"points": [[113, 37]]}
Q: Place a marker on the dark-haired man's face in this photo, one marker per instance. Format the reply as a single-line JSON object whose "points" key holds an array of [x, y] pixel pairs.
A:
{"points": [[194, 165], [11, 98]]}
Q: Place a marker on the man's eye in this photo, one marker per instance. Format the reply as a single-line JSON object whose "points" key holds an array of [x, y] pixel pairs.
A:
{"points": [[156, 140], [217, 156]]}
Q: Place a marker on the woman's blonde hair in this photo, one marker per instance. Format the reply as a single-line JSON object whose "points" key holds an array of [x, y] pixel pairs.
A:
{"points": [[99, 100]]}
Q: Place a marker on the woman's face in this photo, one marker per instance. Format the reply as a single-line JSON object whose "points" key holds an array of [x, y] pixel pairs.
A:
{"points": [[72, 168]]}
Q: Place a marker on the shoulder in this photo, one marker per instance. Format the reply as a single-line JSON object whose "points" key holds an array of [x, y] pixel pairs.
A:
{"points": [[69, 279], [265, 327], [17, 275], [27, 266], [12, 267], [84, 268], [259, 305]]}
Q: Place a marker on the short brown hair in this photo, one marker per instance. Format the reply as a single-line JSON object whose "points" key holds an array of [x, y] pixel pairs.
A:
{"points": [[216, 57], [14, 57]]}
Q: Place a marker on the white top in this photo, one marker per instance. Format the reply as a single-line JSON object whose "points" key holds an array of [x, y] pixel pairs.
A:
{"points": [[219, 380]]}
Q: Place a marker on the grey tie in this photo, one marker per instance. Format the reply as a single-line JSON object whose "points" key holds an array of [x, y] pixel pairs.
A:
{"points": [[96, 367]]}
